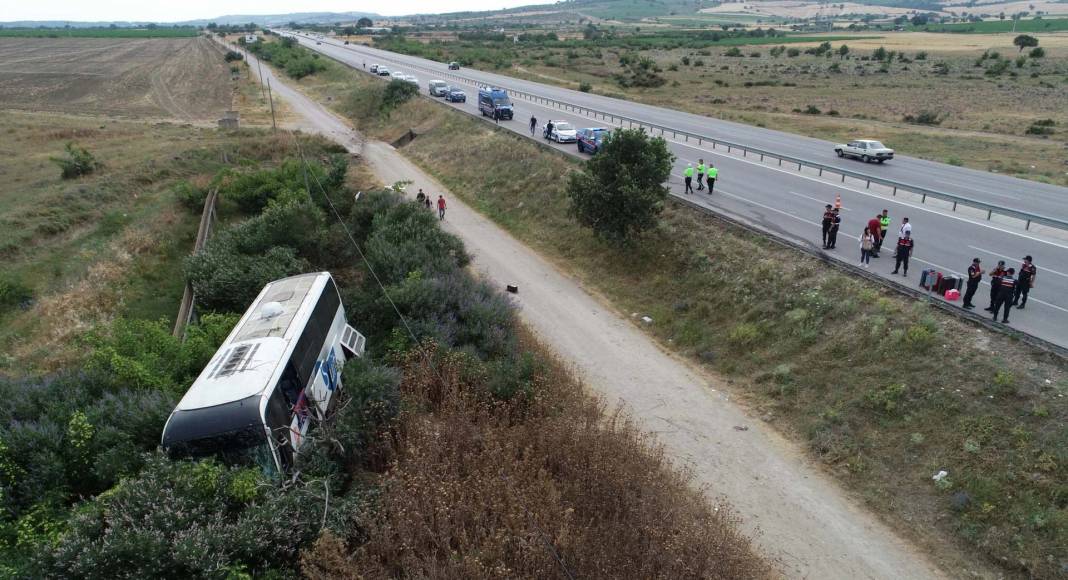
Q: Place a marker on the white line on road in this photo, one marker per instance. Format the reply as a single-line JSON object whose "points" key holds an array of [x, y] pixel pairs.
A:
{"points": [[1044, 269], [814, 199], [986, 191]]}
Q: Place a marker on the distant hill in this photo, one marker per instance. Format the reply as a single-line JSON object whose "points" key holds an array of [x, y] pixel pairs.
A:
{"points": [[264, 19]]}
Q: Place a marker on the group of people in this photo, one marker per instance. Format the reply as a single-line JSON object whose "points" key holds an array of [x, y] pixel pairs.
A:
{"points": [[702, 171], [424, 200], [1008, 287]]}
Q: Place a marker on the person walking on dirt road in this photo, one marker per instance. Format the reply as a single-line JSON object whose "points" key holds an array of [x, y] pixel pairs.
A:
{"points": [[441, 207], [712, 174], [420, 196], [533, 124], [687, 175]]}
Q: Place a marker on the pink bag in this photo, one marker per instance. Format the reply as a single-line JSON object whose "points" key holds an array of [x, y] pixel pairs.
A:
{"points": [[953, 294]]}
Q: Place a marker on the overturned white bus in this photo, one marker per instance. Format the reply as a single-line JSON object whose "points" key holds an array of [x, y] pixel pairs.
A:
{"points": [[280, 366]]}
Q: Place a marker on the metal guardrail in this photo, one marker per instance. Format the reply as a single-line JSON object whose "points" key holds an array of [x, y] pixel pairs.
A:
{"points": [[207, 224], [688, 136]]}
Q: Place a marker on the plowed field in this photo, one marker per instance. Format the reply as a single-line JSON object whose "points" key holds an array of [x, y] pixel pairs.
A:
{"points": [[181, 78]]}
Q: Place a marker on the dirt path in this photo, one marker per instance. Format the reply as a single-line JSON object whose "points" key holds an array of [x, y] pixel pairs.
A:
{"points": [[799, 516]]}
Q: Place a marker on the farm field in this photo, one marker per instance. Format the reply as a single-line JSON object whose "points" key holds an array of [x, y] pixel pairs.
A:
{"points": [[157, 32], [1005, 111], [174, 78]]}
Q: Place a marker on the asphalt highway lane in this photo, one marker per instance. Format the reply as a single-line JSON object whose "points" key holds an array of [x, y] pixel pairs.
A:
{"points": [[789, 204]]}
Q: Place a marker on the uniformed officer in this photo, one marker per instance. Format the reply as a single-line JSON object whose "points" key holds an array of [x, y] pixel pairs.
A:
{"points": [[832, 234], [975, 275], [995, 279], [687, 175], [884, 225], [904, 252], [1006, 289], [1028, 272], [713, 173], [700, 174], [828, 217]]}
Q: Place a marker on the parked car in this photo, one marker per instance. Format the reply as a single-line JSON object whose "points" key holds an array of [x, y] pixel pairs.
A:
{"points": [[866, 150], [374, 68], [383, 71], [590, 139], [411, 79], [456, 96], [563, 132], [438, 88], [454, 65]]}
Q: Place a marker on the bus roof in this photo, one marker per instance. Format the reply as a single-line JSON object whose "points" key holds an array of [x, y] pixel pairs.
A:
{"points": [[248, 359]]}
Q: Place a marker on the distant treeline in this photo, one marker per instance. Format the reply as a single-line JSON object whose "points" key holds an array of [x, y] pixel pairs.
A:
{"points": [[108, 32]]}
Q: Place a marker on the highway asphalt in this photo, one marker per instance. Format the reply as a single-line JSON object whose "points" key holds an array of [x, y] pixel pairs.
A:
{"points": [[789, 204]]}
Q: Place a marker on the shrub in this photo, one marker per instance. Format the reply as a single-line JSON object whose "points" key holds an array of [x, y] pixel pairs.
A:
{"points": [[587, 87], [396, 93], [885, 400], [922, 55], [1037, 52], [811, 110], [792, 52], [77, 162], [233, 55], [14, 293], [253, 190], [924, 118], [226, 280], [733, 51], [620, 193], [190, 196], [743, 334]]}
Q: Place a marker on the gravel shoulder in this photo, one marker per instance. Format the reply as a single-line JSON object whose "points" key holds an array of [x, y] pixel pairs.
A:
{"points": [[799, 517]]}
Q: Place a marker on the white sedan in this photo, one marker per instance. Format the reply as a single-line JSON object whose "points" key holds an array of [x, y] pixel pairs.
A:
{"points": [[563, 132]]}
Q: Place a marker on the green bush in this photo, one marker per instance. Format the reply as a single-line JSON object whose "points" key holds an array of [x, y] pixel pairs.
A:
{"points": [[190, 196], [924, 118], [13, 293], [228, 281], [744, 334], [733, 51], [886, 400], [396, 93], [77, 162], [1037, 52]]}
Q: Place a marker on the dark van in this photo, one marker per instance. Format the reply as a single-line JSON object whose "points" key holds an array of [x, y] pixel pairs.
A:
{"points": [[493, 100]]}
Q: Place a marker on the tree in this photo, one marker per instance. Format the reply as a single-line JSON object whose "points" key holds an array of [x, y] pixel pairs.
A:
{"points": [[1038, 52], [621, 192], [365, 22], [879, 54], [843, 51], [1025, 41]]}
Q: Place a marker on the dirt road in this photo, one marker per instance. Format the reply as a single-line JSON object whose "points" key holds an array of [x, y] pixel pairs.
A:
{"points": [[799, 517]]}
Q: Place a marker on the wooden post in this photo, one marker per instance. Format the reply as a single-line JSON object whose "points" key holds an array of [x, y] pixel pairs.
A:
{"points": [[274, 124]]}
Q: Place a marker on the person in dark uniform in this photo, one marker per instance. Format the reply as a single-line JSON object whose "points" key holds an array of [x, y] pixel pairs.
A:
{"points": [[975, 275], [995, 279], [1028, 272], [828, 217], [832, 234], [904, 252], [420, 196], [1006, 289]]}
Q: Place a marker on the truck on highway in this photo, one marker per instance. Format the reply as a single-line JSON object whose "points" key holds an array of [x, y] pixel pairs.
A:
{"points": [[493, 101]]}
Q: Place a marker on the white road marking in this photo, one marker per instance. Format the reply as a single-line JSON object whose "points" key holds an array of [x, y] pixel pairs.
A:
{"points": [[986, 191], [1044, 269], [815, 199]]}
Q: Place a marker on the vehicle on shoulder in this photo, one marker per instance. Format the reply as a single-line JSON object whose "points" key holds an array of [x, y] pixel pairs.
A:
{"points": [[867, 150], [562, 132], [494, 102], [454, 65], [591, 139], [374, 68], [456, 96], [411, 79], [383, 71], [438, 88], [275, 376]]}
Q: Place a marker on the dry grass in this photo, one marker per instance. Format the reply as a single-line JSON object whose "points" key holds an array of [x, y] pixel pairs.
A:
{"points": [[484, 489], [183, 79]]}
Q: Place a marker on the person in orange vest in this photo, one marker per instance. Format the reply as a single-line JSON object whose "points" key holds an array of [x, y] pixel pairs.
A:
{"points": [[1006, 289], [441, 207], [1028, 272], [995, 280]]}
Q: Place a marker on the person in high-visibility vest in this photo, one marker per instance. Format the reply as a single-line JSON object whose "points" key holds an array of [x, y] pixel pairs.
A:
{"points": [[712, 174], [700, 174], [884, 224], [688, 178]]}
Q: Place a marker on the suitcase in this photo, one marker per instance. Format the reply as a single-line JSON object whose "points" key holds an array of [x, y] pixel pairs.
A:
{"points": [[949, 283], [952, 294], [930, 279]]}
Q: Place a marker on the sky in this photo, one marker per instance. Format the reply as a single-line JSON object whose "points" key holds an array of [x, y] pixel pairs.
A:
{"points": [[173, 11]]}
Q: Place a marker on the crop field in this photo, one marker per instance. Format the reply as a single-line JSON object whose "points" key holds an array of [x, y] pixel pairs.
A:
{"points": [[99, 32], [168, 78], [993, 26]]}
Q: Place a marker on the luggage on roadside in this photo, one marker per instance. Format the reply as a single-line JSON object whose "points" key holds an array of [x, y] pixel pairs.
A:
{"points": [[950, 283], [953, 294], [930, 279]]}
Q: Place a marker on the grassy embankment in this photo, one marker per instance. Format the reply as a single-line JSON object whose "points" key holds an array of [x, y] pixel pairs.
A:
{"points": [[80, 252], [987, 112], [882, 390]]}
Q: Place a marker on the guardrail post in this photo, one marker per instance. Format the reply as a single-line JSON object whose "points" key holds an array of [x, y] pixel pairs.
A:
{"points": [[895, 191], [728, 148], [924, 198], [989, 214], [821, 172], [954, 206], [868, 185], [799, 166], [1028, 226], [745, 152], [843, 178]]}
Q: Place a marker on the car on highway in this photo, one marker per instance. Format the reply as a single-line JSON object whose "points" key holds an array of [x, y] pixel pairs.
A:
{"points": [[383, 71], [494, 102], [411, 79], [866, 150], [591, 139], [438, 88], [563, 132], [456, 96], [454, 65], [374, 68]]}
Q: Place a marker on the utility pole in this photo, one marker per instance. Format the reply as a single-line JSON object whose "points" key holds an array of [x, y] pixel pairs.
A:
{"points": [[260, 69], [274, 125]]}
